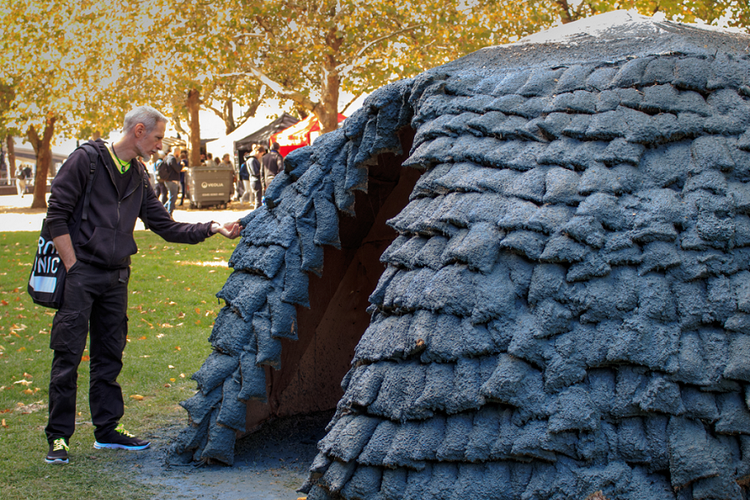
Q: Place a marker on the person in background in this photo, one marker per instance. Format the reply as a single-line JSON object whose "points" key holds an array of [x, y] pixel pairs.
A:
{"points": [[172, 181], [226, 161], [20, 181], [210, 163], [183, 174], [271, 165], [253, 184], [96, 251], [239, 187]]}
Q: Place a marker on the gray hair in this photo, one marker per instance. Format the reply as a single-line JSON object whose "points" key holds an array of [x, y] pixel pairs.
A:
{"points": [[146, 115]]}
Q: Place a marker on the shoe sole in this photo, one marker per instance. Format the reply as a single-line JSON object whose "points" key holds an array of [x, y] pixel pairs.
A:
{"points": [[115, 446], [56, 461]]}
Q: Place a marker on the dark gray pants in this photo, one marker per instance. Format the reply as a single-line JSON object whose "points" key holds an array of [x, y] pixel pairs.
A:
{"points": [[95, 301]]}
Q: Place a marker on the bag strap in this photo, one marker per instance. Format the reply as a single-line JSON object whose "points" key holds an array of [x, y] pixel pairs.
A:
{"points": [[93, 155], [146, 187]]}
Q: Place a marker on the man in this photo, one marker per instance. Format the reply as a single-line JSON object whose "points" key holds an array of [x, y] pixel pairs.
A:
{"points": [[20, 181], [96, 250], [172, 179], [252, 182], [271, 165], [183, 175]]}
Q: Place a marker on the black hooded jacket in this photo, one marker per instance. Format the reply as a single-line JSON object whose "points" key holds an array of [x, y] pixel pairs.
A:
{"points": [[105, 239]]}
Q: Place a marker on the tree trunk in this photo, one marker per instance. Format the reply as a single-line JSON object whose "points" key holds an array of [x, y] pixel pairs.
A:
{"points": [[11, 156], [43, 149], [194, 106], [327, 110], [229, 116]]}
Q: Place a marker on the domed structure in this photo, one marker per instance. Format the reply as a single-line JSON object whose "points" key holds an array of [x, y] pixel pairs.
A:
{"points": [[565, 307]]}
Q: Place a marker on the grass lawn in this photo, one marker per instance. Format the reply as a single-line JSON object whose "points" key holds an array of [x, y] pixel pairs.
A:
{"points": [[171, 310]]}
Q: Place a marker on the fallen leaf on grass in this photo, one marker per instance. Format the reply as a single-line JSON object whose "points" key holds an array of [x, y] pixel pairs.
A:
{"points": [[170, 367], [167, 385], [4, 302], [137, 397], [27, 375], [177, 348], [28, 391], [181, 315], [166, 325], [24, 382], [85, 357], [182, 375], [7, 410], [197, 311], [143, 337], [173, 380], [4, 424]]}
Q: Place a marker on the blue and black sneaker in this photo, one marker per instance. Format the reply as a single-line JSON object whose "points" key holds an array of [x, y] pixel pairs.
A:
{"points": [[122, 440], [58, 452]]}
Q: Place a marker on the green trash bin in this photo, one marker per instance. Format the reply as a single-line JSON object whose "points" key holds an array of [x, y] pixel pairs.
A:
{"points": [[209, 186]]}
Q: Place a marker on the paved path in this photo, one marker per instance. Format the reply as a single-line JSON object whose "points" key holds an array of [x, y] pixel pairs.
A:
{"points": [[15, 214]]}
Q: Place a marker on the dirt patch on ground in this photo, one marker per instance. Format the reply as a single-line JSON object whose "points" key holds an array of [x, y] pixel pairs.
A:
{"points": [[268, 465]]}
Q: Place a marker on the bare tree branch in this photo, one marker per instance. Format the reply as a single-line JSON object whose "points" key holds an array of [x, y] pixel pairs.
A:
{"points": [[344, 68], [343, 110]]}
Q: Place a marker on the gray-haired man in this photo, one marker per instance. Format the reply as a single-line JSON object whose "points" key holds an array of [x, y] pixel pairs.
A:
{"points": [[96, 251]]}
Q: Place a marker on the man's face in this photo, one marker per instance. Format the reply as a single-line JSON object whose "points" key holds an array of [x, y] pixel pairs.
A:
{"points": [[148, 143]]}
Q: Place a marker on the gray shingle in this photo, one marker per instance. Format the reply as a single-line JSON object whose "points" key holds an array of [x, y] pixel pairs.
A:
{"points": [[511, 82], [365, 384], [691, 73], [200, 405], [710, 152], [404, 254], [541, 82], [608, 125], [601, 78], [231, 333], [253, 379], [232, 412], [365, 483], [517, 214], [352, 439], [631, 73], [658, 71], [454, 338], [526, 243], [699, 404], [377, 447], [530, 441], [690, 456], [661, 396], [573, 410], [401, 387], [516, 383], [554, 124], [214, 370]]}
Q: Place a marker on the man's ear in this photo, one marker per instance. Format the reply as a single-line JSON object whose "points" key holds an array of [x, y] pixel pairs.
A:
{"points": [[139, 130]]}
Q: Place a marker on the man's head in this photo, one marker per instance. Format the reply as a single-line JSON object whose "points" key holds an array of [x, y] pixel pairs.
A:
{"points": [[145, 126], [274, 146], [177, 152], [225, 158]]}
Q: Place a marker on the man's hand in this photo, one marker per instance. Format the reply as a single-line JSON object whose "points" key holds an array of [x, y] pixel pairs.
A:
{"points": [[64, 247], [230, 230]]}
